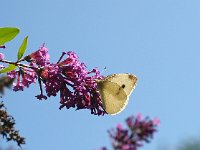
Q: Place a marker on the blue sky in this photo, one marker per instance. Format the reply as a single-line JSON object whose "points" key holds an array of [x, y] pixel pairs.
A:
{"points": [[158, 41]]}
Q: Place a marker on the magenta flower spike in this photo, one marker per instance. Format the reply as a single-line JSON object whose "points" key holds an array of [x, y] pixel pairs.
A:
{"points": [[139, 131], [69, 77], [84, 94]]}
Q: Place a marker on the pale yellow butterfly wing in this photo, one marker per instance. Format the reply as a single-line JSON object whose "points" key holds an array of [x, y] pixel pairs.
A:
{"points": [[127, 80], [113, 98], [115, 90]]}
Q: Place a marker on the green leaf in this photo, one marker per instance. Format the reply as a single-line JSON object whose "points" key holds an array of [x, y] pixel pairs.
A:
{"points": [[7, 34], [22, 48], [8, 69]]}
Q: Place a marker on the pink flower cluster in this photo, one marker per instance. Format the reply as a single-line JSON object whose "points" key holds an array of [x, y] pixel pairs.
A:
{"points": [[68, 77], [139, 131]]}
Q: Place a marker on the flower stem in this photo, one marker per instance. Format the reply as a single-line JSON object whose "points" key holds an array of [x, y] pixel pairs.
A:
{"points": [[3, 46], [17, 64]]}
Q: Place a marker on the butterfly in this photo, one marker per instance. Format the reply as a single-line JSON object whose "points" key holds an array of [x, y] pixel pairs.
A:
{"points": [[115, 90]]}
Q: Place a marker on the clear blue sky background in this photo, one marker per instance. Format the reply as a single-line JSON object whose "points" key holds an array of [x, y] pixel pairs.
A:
{"points": [[156, 40]]}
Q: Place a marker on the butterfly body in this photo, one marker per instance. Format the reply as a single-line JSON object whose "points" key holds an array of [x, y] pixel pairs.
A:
{"points": [[115, 91]]}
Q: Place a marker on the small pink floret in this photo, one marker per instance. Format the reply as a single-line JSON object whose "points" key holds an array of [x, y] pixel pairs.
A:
{"points": [[2, 56], [156, 121]]}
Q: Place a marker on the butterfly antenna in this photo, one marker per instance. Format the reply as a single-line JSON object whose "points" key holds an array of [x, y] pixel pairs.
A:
{"points": [[98, 80], [104, 69]]}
